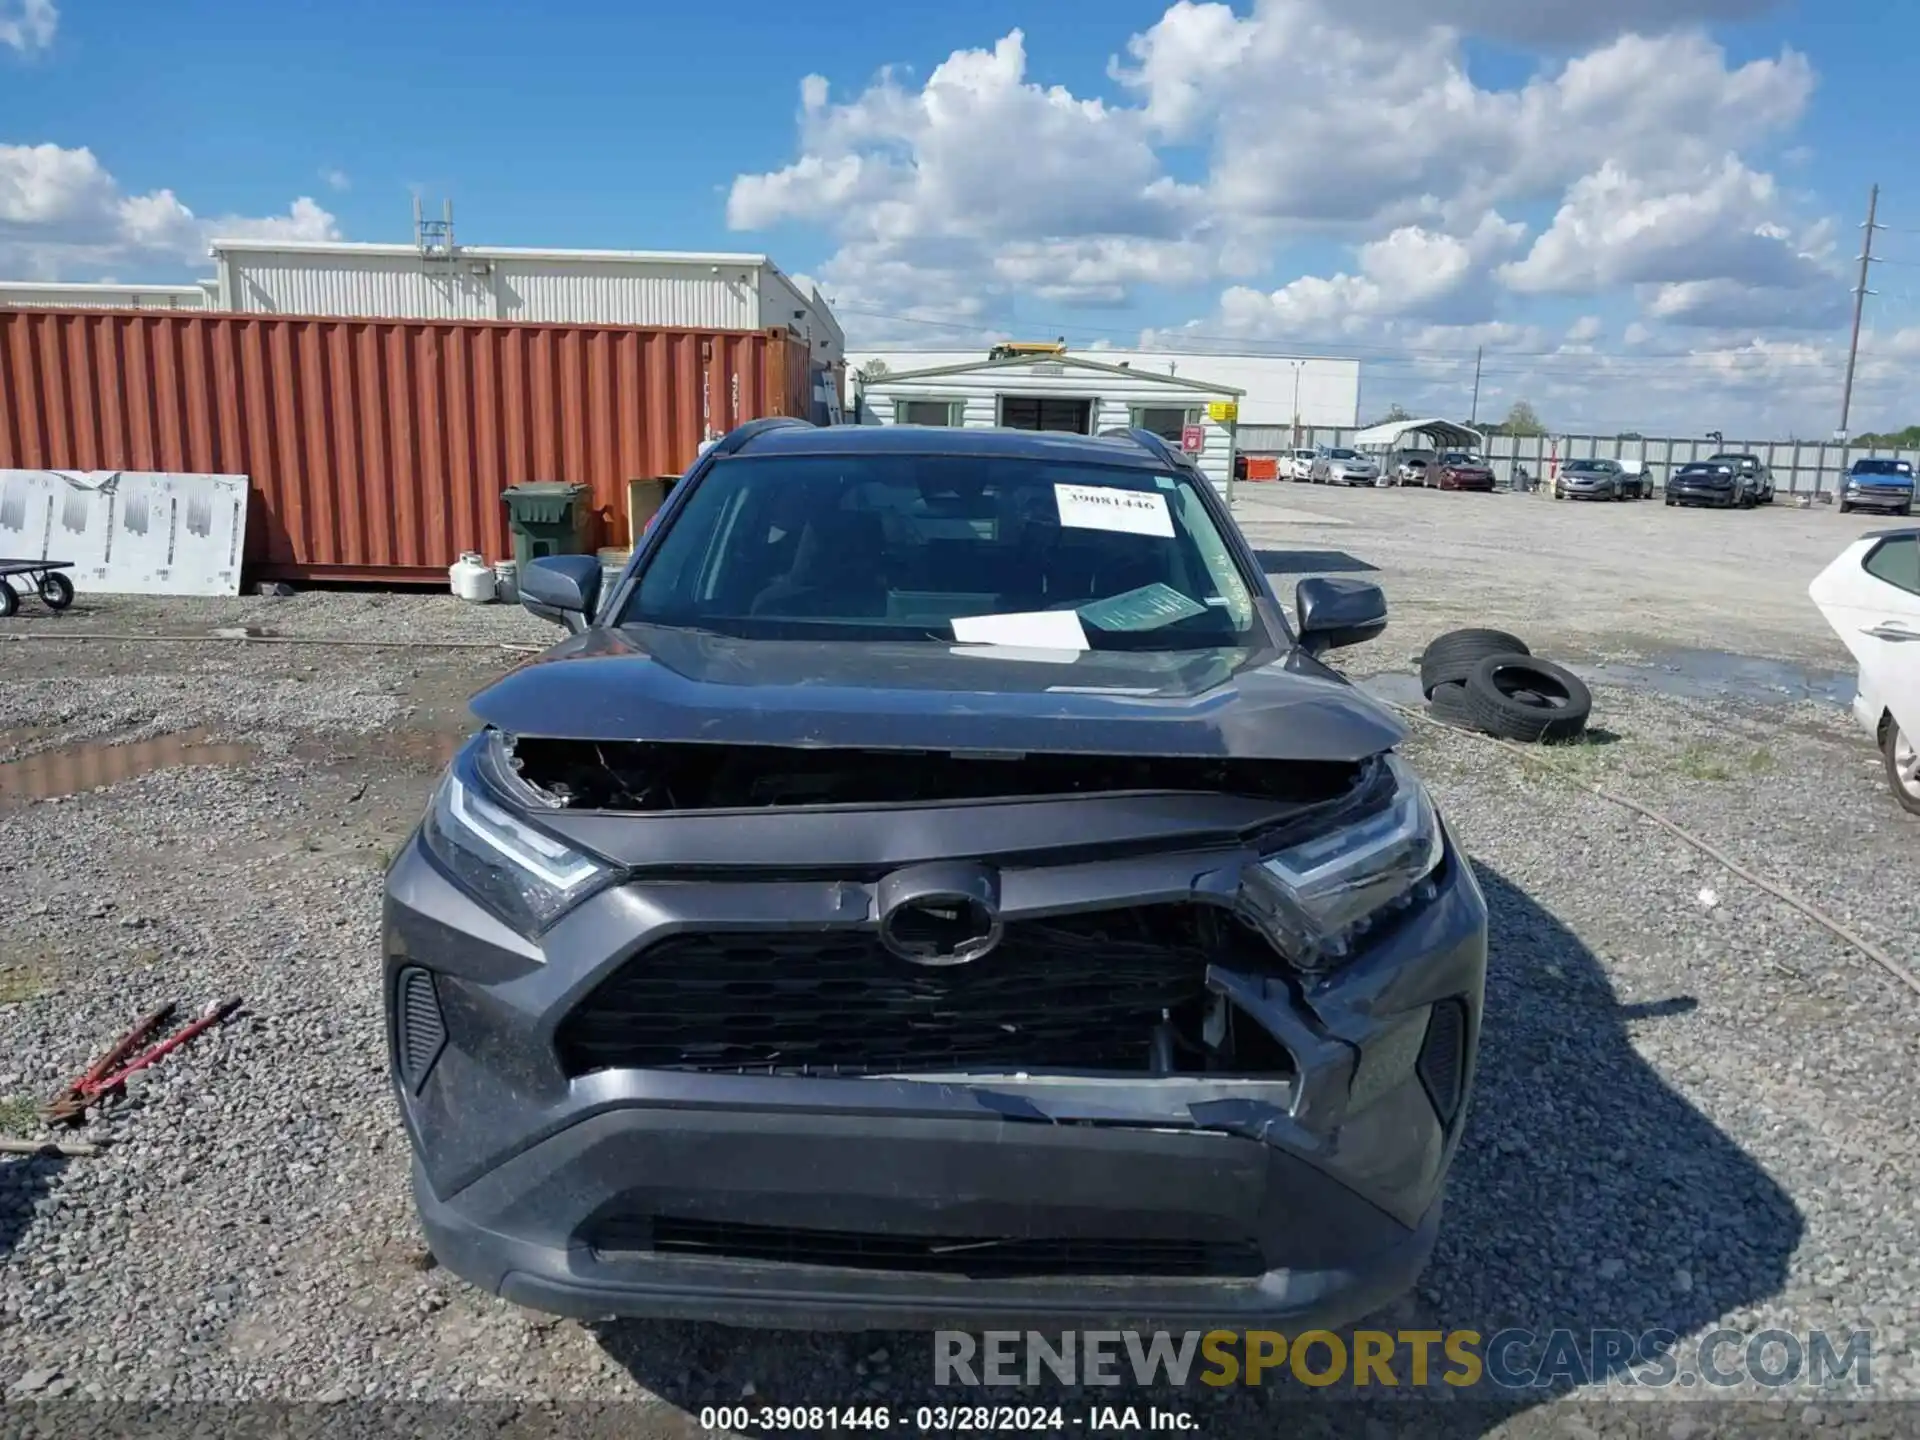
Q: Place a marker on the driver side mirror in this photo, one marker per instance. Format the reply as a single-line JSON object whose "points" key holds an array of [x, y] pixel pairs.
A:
{"points": [[562, 588], [1333, 613]]}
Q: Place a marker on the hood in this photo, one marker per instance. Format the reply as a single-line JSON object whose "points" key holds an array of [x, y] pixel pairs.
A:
{"points": [[650, 683], [1891, 482]]}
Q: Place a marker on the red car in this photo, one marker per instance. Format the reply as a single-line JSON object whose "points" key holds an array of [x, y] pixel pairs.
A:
{"points": [[1458, 470]]}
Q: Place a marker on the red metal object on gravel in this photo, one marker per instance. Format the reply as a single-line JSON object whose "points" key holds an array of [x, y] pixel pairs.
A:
{"points": [[109, 1073]]}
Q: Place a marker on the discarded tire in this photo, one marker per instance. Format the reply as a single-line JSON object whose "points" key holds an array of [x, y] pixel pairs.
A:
{"points": [[1452, 657], [1517, 697], [1448, 703]]}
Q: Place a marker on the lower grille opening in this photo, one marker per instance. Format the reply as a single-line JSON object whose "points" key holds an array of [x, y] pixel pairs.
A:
{"points": [[1113, 990], [1443, 1056], [419, 1031], [983, 1257]]}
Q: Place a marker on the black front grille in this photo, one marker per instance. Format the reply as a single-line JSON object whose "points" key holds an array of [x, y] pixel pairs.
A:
{"points": [[979, 1257], [1078, 992], [419, 1032]]}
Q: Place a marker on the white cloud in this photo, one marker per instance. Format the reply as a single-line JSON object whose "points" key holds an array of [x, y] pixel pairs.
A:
{"points": [[63, 216], [335, 178], [1556, 22], [1411, 273], [982, 177], [1317, 121], [986, 199], [1616, 228], [28, 25]]}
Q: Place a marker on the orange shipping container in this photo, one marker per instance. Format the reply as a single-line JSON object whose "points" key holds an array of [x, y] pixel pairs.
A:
{"points": [[378, 449]]}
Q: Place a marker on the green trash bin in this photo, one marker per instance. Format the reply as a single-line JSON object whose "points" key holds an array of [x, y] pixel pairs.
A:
{"points": [[548, 517]]}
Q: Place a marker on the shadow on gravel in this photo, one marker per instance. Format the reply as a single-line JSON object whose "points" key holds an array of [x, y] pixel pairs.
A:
{"points": [[1312, 562], [24, 1180], [1587, 1196]]}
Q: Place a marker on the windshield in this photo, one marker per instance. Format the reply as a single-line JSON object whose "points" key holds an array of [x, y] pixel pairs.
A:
{"points": [[1343, 455], [1882, 467], [1702, 468], [942, 548], [1459, 457]]}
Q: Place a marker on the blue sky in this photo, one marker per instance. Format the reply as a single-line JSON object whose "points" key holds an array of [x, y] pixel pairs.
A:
{"points": [[1644, 210]]}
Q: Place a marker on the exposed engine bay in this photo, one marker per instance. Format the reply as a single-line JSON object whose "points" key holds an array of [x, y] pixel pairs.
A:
{"points": [[663, 777]]}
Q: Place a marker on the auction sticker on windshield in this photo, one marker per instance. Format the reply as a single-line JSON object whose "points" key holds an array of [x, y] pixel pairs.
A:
{"points": [[1103, 507]]}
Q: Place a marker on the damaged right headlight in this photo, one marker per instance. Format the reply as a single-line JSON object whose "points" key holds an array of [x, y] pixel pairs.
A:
{"points": [[526, 876], [1316, 896]]}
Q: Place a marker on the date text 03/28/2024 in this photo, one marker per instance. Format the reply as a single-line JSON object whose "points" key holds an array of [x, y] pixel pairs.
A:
{"points": [[935, 1419]]}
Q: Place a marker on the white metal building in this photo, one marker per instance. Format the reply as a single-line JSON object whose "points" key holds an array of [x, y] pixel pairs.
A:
{"points": [[17, 294], [480, 282], [1070, 393], [1325, 391]]}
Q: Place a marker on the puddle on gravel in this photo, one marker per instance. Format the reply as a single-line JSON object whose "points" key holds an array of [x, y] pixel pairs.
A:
{"points": [[1717, 675], [1685, 674], [432, 748], [74, 769]]}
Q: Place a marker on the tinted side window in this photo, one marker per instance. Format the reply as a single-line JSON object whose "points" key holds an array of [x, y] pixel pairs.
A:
{"points": [[1897, 562]]}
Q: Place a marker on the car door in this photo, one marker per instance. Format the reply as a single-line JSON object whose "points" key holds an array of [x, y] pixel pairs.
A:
{"points": [[1871, 598]]}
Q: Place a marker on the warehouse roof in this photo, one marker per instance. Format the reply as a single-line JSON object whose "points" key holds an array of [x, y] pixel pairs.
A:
{"points": [[350, 248]]}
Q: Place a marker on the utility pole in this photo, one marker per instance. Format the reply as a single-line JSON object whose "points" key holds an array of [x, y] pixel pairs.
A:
{"points": [[1860, 294], [1479, 352]]}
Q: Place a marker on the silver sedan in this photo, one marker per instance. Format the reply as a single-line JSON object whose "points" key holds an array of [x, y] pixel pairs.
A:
{"points": [[1343, 467]]}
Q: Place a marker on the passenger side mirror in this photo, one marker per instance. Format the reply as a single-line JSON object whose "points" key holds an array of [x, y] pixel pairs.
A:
{"points": [[562, 588], [1334, 613]]}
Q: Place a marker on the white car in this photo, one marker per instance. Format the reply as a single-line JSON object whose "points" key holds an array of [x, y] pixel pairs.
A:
{"points": [[1298, 464], [1871, 598]]}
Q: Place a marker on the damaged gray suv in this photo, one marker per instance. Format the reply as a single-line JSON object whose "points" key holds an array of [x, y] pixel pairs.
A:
{"points": [[937, 885]]}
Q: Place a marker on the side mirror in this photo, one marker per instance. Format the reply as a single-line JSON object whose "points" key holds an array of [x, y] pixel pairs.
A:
{"points": [[1334, 613], [562, 588]]}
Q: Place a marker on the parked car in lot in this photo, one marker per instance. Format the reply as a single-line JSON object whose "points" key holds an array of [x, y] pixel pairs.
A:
{"points": [[1885, 485], [1871, 598], [1298, 464], [1588, 480], [1756, 478], [1459, 470], [1338, 466], [1412, 467], [825, 932], [1705, 482], [1636, 480]]}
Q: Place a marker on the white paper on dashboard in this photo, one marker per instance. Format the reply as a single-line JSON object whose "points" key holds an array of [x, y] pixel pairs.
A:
{"points": [[1022, 654], [1031, 629], [1105, 507]]}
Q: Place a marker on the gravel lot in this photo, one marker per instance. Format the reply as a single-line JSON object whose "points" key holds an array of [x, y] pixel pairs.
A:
{"points": [[1691, 1113]]}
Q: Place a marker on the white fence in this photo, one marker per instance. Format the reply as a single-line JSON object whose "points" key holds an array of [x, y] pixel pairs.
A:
{"points": [[1800, 467]]}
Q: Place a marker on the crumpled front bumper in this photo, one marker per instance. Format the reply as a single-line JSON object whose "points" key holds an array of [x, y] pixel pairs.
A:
{"points": [[1333, 1173]]}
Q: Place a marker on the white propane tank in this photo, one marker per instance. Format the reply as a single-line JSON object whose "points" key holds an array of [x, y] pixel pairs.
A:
{"points": [[472, 578], [506, 585]]}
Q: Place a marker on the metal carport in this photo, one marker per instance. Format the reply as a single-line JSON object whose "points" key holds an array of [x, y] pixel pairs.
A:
{"points": [[1444, 434]]}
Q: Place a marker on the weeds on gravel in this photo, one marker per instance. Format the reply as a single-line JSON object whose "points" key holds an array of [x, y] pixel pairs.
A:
{"points": [[19, 983], [18, 1116], [1710, 762]]}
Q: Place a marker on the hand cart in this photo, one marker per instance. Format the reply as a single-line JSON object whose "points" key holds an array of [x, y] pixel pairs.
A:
{"points": [[54, 589]]}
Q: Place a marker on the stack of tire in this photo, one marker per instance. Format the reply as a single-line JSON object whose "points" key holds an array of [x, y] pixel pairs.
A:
{"points": [[1487, 680]]}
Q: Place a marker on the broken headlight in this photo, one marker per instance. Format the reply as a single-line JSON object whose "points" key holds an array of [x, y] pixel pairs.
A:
{"points": [[1318, 895], [524, 875]]}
